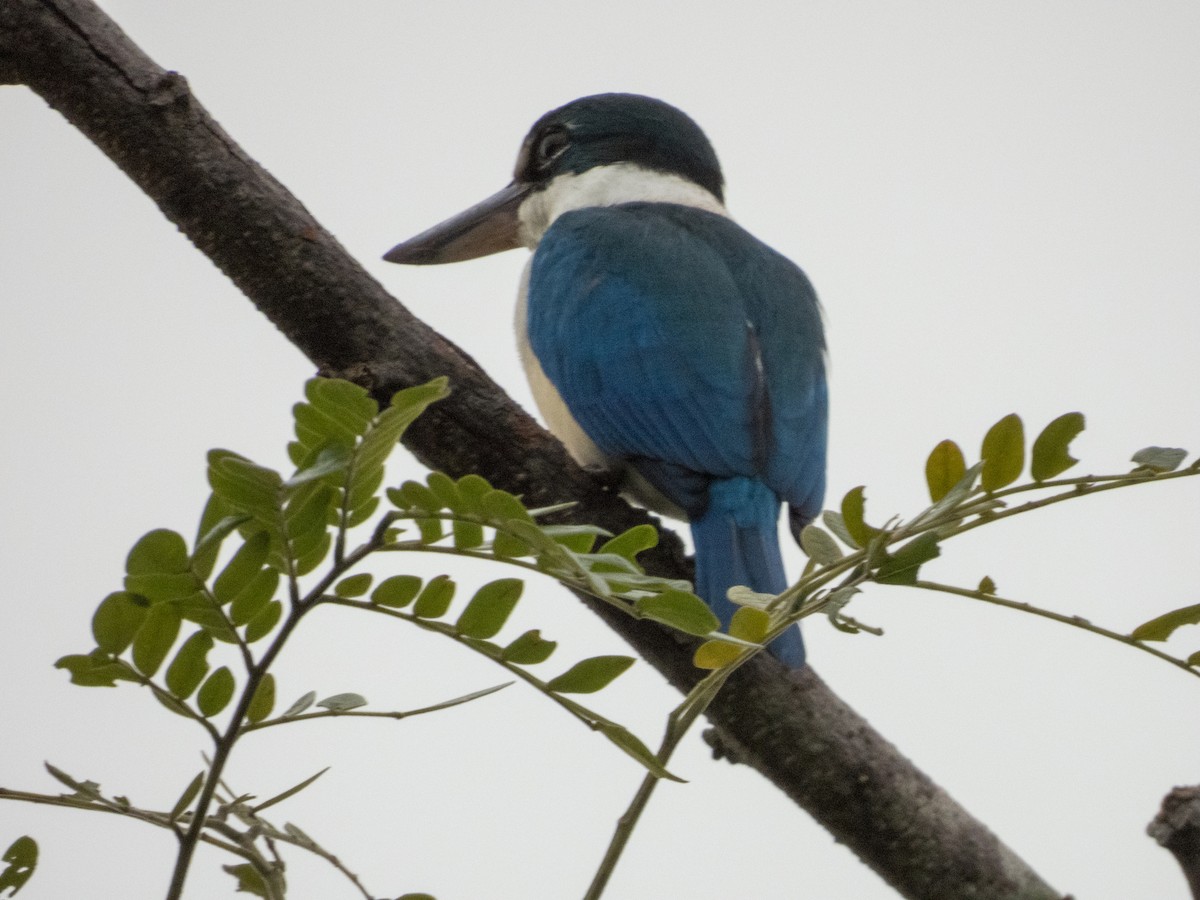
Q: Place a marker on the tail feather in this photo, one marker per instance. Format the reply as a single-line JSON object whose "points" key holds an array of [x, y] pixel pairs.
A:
{"points": [[737, 542]]}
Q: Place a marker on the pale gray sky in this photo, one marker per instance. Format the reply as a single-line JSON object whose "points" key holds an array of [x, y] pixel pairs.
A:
{"points": [[999, 205]]}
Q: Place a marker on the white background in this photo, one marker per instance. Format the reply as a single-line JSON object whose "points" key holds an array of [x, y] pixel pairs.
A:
{"points": [[998, 204]]}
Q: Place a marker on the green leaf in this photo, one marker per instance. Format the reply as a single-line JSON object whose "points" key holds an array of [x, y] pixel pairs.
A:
{"points": [[313, 555], [629, 742], [944, 468], [331, 459], [248, 879], [263, 701], [300, 705], [630, 543], [412, 495], [715, 654], [435, 597], [264, 623], [467, 535], [819, 545], [1194, 660], [158, 552], [117, 619], [490, 608], [416, 896], [343, 702], [853, 512], [529, 649], [354, 585], [471, 491], [444, 488], [161, 587], [590, 675], [1003, 453], [190, 665], [217, 522], [1160, 459], [750, 624], [251, 600], [986, 585], [681, 610], [245, 486], [1050, 456], [1161, 628], [186, 798], [397, 591], [903, 566], [96, 669], [216, 692], [154, 639], [242, 568], [576, 538], [22, 858], [834, 522]]}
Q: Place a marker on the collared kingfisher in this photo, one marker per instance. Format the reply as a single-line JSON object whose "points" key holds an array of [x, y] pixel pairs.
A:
{"points": [[663, 342]]}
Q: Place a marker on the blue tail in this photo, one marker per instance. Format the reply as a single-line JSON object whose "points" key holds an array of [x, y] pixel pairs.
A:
{"points": [[737, 542]]}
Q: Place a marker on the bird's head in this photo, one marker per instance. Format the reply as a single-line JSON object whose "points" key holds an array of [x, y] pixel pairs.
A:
{"points": [[595, 151]]}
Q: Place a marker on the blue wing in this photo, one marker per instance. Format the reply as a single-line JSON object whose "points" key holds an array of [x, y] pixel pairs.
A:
{"points": [[683, 344], [691, 350]]}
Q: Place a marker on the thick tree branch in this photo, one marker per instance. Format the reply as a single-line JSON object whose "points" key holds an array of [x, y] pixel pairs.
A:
{"points": [[1177, 829], [790, 727]]}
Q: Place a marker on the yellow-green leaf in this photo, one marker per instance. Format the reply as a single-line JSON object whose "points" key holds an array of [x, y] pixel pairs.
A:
{"points": [[263, 701], [853, 513], [490, 608], [681, 610], [1050, 456], [944, 468], [590, 675], [1161, 628], [1003, 453], [216, 692]]}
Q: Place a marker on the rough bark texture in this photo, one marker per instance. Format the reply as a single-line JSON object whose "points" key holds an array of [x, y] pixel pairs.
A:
{"points": [[788, 726], [1177, 829]]}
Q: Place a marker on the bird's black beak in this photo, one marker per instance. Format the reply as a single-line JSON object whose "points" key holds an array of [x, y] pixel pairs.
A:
{"points": [[486, 228]]}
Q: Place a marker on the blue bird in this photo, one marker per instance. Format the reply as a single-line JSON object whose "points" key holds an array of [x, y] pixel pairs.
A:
{"points": [[664, 343]]}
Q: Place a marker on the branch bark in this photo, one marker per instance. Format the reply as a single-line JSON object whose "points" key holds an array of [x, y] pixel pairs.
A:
{"points": [[1176, 828], [789, 726]]}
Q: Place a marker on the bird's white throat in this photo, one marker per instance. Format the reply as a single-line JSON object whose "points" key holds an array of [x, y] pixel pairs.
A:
{"points": [[608, 186]]}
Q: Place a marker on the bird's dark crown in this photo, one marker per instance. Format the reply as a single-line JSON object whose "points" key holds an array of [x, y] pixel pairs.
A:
{"points": [[605, 129]]}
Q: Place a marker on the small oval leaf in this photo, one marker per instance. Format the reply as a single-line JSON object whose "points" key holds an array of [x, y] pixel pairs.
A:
{"points": [[529, 649], [159, 552], [154, 639], [590, 675], [434, 599], [190, 665], [1003, 453], [819, 545], [264, 623], [681, 610], [1160, 459], [1162, 627], [853, 513], [1049, 456], [343, 702], [715, 654], [397, 591], [263, 701], [216, 692], [354, 585], [300, 705], [117, 620], [490, 608], [944, 468]]}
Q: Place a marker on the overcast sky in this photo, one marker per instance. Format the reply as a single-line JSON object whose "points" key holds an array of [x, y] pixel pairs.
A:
{"points": [[999, 205]]}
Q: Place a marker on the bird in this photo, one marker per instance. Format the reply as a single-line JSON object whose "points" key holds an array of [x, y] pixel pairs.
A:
{"points": [[664, 344]]}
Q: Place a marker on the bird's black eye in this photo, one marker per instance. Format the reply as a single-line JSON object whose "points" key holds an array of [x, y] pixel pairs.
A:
{"points": [[549, 147]]}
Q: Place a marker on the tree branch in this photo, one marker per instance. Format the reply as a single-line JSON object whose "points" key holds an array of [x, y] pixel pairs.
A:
{"points": [[1177, 829], [789, 726]]}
